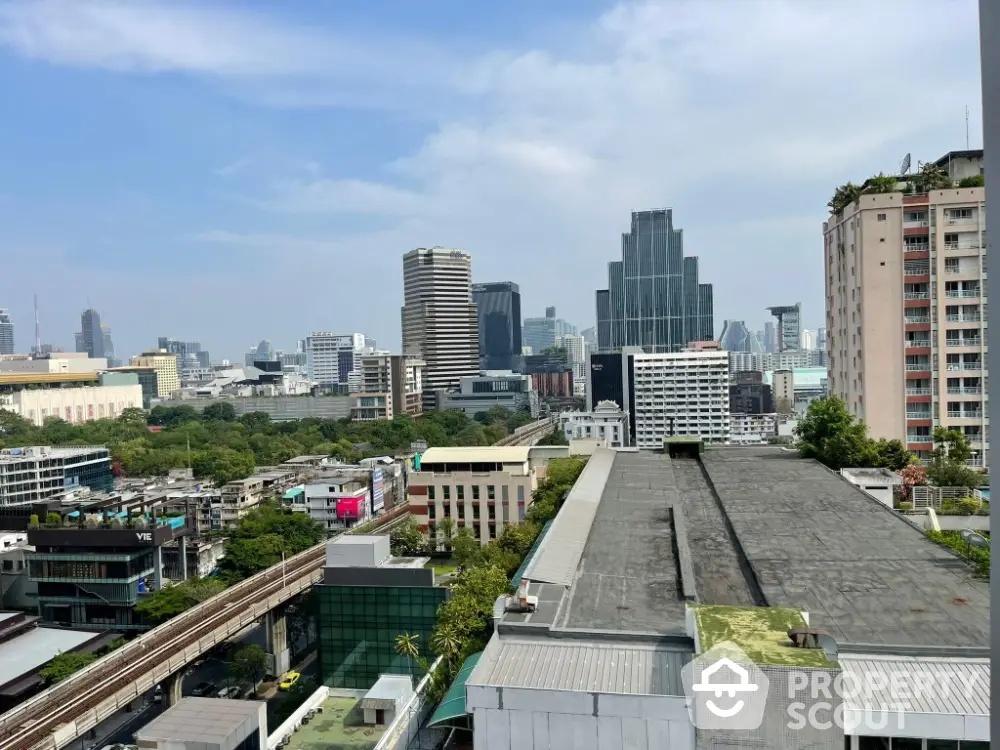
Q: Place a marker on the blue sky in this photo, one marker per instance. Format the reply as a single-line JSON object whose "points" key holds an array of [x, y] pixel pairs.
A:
{"points": [[236, 171]]}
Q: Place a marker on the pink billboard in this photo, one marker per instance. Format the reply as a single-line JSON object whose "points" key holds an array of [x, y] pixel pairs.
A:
{"points": [[350, 508]]}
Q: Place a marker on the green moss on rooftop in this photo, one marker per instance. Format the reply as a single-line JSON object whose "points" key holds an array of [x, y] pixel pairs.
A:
{"points": [[760, 632]]}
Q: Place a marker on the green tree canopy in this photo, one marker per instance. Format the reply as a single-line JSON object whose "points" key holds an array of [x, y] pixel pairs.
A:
{"points": [[248, 664], [220, 411], [830, 434], [407, 540], [948, 466], [171, 601], [64, 665]]}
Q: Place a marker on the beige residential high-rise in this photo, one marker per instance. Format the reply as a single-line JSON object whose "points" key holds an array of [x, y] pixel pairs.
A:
{"points": [[439, 317], [906, 307], [168, 379]]}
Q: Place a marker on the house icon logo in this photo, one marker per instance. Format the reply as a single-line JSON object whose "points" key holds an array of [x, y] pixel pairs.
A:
{"points": [[725, 689]]}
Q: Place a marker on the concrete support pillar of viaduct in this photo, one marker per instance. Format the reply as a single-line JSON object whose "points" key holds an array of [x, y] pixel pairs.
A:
{"points": [[158, 568], [172, 689], [182, 557], [276, 630]]}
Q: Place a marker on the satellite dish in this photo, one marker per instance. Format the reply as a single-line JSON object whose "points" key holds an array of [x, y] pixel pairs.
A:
{"points": [[973, 539], [904, 166]]}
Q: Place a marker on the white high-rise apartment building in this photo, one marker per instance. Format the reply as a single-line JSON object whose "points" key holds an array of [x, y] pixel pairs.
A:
{"points": [[808, 341], [439, 318], [576, 352], [906, 306], [681, 393], [334, 359]]}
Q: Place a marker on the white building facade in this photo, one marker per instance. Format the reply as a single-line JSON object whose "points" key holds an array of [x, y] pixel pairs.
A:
{"points": [[607, 423], [681, 393], [334, 359], [74, 405]]}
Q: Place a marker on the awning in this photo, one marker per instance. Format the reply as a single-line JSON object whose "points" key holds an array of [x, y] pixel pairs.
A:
{"points": [[451, 710], [293, 493], [516, 580]]}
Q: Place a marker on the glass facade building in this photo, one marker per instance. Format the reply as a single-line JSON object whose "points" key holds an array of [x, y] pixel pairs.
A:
{"points": [[358, 627], [498, 312], [654, 299]]}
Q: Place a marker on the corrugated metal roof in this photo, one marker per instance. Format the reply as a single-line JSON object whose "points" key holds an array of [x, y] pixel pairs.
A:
{"points": [[452, 706], [928, 685], [584, 665], [559, 554], [475, 455]]}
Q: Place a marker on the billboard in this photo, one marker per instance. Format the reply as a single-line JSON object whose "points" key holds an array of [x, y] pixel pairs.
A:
{"points": [[352, 508], [378, 490]]}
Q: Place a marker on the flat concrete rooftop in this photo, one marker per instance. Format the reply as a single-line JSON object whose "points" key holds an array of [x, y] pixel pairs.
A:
{"points": [[644, 534]]}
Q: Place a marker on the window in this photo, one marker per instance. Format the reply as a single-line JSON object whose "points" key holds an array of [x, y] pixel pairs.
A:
{"points": [[520, 493], [460, 492], [491, 492], [431, 512], [447, 492], [475, 512], [475, 492], [461, 512], [431, 494], [881, 217], [505, 493]]}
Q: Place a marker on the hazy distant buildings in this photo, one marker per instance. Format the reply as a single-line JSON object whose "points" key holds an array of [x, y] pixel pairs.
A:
{"points": [[770, 339], [439, 318], [263, 352], [498, 312], [109, 346], [189, 353], [654, 299], [736, 337], [6, 332], [540, 333], [789, 328], [91, 338]]}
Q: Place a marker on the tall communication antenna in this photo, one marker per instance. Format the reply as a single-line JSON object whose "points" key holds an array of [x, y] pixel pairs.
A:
{"points": [[38, 330]]}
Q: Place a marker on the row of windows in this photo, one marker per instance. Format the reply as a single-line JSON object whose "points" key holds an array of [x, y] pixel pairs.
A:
{"points": [[491, 492]]}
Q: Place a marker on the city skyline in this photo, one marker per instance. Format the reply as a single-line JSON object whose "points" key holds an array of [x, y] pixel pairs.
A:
{"points": [[324, 167]]}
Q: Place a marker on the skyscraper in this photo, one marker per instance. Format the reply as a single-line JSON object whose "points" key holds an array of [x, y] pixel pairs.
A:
{"points": [[654, 299], [770, 340], [6, 332], [736, 337], [540, 333], [439, 319], [498, 311], [109, 346], [789, 329], [92, 334]]}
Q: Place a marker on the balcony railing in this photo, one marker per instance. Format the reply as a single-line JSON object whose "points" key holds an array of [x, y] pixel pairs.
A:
{"points": [[924, 271], [965, 415], [965, 391], [963, 342], [918, 391], [916, 247], [916, 295], [918, 414], [958, 246], [961, 293], [917, 366], [918, 343], [918, 438], [958, 366], [918, 319], [961, 318], [952, 221]]}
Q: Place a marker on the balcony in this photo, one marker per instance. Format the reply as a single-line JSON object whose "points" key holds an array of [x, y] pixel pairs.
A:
{"points": [[918, 366], [954, 221], [918, 391], [976, 462], [916, 295], [964, 342], [967, 366], [924, 271], [960, 293], [918, 343], [950, 246], [965, 415], [960, 318], [914, 247], [911, 438], [918, 414], [918, 319]]}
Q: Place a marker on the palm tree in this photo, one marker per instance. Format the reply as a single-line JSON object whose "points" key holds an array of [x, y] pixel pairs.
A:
{"points": [[446, 642], [407, 645], [932, 177], [446, 532], [844, 196], [881, 183]]}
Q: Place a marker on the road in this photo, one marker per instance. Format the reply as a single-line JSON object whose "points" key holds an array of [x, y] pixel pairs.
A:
{"points": [[122, 727]]}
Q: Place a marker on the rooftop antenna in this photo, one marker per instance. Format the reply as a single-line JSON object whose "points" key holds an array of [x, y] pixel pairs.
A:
{"points": [[38, 331], [904, 166]]}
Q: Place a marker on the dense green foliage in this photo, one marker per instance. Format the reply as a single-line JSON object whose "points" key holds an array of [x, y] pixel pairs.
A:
{"points": [[170, 601], [948, 466], [248, 664], [979, 557], [262, 536], [218, 446], [464, 620], [556, 437], [62, 666], [831, 435]]}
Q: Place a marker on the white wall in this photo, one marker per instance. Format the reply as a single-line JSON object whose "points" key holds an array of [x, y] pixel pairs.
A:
{"points": [[85, 404], [569, 720]]}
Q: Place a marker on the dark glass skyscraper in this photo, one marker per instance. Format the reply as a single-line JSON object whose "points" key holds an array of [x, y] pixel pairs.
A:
{"points": [[498, 312], [654, 299], [92, 335]]}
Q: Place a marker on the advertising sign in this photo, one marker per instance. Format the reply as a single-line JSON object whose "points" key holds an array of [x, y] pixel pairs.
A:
{"points": [[378, 490]]}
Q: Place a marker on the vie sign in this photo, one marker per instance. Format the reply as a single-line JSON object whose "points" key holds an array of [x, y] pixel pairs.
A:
{"points": [[144, 536]]}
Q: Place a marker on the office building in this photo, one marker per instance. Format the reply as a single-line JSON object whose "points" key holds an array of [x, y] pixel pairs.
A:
{"points": [[749, 394], [397, 375], [607, 424], [334, 360], [263, 352], [483, 489], [576, 357], [551, 374], [540, 333], [665, 394], [914, 261], [70, 363], [91, 334], [168, 379], [654, 298], [109, 346], [789, 326], [36, 473], [498, 311], [770, 338], [73, 397], [148, 382], [624, 594], [480, 393], [338, 502], [783, 391], [370, 407], [590, 336], [6, 332], [439, 318], [365, 600], [736, 337], [791, 359], [207, 724], [808, 341], [189, 353]]}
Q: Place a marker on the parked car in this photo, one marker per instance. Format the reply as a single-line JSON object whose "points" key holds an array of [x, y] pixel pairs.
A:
{"points": [[289, 680], [203, 689], [232, 691]]}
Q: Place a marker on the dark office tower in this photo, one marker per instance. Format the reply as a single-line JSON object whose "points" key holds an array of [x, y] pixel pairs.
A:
{"points": [[92, 335], [498, 312], [653, 299]]}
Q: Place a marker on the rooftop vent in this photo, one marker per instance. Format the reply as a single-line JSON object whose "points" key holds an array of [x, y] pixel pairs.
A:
{"points": [[816, 638]]}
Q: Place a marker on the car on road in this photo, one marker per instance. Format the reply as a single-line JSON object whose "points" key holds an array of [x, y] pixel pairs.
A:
{"points": [[289, 680], [232, 691], [203, 689]]}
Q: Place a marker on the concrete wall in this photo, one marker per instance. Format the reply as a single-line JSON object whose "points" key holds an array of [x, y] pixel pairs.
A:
{"points": [[280, 408], [520, 719], [84, 404]]}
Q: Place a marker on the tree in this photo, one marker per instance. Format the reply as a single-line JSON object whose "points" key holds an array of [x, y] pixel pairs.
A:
{"points": [[247, 557], [948, 461], [830, 434], [256, 421], [844, 196], [446, 532], [133, 416], [407, 645], [249, 664], [64, 665], [881, 183], [464, 547], [913, 476], [14, 425], [407, 541], [891, 454], [975, 180], [447, 643], [171, 601], [931, 177], [556, 437], [220, 411]]}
